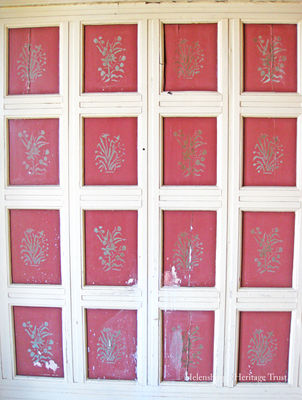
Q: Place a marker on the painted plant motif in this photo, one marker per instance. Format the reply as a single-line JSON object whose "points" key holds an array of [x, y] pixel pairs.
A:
{"points": [[269, 250], [193, 152], [113, 248], [31, 64], [262, 347], [268, 154], [191, 347], [41, 345], [187, 253], [113, 57], [36, 151], [272, 59], [109, 155], [34, 247], [110, 346], [189, 59]]}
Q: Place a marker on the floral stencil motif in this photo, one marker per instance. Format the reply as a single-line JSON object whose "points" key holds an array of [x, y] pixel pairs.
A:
{"points": [[187, 253], [113, 248], [191, 347], [189, 59], [272, 59], [109, 154], [34, 248], [268, 154], [41, 345], [269, 250], [31, 64], [193, 152], [37, 161], [262, 348], [112, 58], [110, 346]]}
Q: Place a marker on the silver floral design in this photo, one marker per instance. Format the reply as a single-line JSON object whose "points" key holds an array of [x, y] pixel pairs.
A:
{"points": [[113, 57], [113, 248], [189, 58], [34, 247], [262, 347], [272, 59], [110, 346], [268, 154], [109, 155], [31, 64], [37, 154]]}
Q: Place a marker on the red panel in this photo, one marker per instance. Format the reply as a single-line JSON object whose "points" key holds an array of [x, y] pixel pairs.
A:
{"points": [[270, 151], [35, 246], [110, 58], [110, 151], [189, 248], [33, 60], [267, 249], [191, 57], [34, 152], [270, 57], [112, 342], [38, 340], [190, 151], [111, 247], [188, 338], [263, 346]]}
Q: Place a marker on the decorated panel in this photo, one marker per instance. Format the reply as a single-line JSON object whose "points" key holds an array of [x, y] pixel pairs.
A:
{"points": [[111, 344], [38, 341], [33, 60], [264, 346], [111, 248], [189, 251], [110, 58], [110, 151], [35, 246], [188, 338]]}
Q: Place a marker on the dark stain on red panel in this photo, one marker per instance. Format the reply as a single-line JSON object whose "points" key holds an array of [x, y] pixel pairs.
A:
{"points": [[34, 152], [35, 246], [270, 57], [190, 57], [111, 344], [110, 58], [267, 249], [188, 338], [38, 341], [264, 347], [189, 251], [33, 60], [190, 151], [111, 247], [110, 151], [270, 151]]}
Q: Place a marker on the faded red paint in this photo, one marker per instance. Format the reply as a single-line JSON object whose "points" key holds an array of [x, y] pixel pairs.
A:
{"points": [[282, 130], [253, 80], [271, 364], [94, 59], [187, 162], [121, 130], [48, 39], [44, 224], [98, 273], [185, 234], [24, 344], [187, 351], [254, 273], [120, 360], [23, 154], [190, 47]]}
